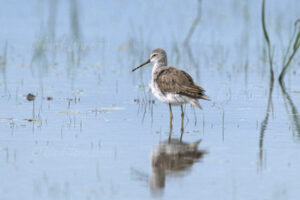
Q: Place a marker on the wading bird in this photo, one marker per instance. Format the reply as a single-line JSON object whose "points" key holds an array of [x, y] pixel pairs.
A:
{"points": [[171, 85]]}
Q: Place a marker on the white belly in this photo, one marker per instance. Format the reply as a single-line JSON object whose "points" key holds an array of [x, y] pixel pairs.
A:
{"points": [[169, 98]]}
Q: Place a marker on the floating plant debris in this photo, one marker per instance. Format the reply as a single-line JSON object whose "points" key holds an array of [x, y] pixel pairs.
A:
{"points": [[30, 97]]}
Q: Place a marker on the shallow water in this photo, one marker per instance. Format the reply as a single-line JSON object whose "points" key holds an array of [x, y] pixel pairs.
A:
{"points": [[94, 130]]}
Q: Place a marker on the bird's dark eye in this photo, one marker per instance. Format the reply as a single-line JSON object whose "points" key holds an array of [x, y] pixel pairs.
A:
{"points": [[153, 55]]}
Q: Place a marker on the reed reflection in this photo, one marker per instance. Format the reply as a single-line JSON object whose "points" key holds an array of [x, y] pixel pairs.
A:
{"points": [[291, 109], [264, 123]]}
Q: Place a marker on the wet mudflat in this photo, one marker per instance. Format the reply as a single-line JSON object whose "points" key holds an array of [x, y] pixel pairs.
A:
{"points": [[76, 123]]}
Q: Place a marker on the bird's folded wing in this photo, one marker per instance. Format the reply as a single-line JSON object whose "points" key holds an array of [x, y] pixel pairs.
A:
{"points": [[171, 80]]}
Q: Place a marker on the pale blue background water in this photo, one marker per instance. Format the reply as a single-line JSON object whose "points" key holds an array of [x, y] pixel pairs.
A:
{"points": [[92, 148]]}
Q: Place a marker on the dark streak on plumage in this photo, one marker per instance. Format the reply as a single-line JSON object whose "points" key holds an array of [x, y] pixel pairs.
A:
{"points": [[182, 83]]}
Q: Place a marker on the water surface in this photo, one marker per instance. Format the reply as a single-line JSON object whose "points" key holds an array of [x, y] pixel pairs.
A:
{"points": [[95, 131]]}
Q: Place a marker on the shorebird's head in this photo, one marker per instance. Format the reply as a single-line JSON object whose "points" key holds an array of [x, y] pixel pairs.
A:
{"points": [[157, 56]]}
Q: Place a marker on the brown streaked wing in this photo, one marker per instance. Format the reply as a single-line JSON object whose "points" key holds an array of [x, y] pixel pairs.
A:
{"points": [[192, 81], [177, 81]]}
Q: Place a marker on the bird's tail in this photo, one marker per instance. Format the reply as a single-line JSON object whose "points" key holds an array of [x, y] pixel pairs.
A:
{"points": [[205, 97], [195, 102], [193, 146]]}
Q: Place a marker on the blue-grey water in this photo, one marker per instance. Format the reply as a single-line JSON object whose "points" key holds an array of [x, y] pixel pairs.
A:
{"points": [[95, 131]]}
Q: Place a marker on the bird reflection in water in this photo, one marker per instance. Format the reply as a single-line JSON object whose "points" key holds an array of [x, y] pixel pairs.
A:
{"points": [[171, 158]]}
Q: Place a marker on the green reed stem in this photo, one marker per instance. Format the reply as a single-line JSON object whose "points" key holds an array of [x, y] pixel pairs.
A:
{"points": [[296, 38], [267, 39]]}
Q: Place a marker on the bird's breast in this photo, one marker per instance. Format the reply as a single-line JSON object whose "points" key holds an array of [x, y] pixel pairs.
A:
{"points": [[169, 98]]}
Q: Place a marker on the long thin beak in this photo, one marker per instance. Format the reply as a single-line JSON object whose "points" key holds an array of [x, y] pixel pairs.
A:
{"points": [[141, 65]]}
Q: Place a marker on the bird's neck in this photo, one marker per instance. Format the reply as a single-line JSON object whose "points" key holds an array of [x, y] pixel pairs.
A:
{"points": [[157, 65]]}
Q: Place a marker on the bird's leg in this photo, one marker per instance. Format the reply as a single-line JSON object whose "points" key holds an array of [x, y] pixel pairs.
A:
{"points": [[171, 121], [182, 121], [171, 114]]}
